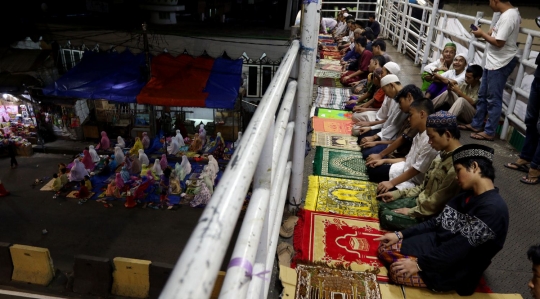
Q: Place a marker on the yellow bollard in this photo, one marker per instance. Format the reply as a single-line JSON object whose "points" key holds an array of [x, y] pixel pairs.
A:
{"points": [[131, 277], [31, 264]]}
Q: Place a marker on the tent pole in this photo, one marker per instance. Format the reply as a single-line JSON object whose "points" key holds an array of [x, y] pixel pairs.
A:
{"points": [[151, 110]]}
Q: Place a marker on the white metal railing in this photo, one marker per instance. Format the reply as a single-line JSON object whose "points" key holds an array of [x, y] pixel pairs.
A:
{"points": [[423, 39], [263, 157], [360, 9]]}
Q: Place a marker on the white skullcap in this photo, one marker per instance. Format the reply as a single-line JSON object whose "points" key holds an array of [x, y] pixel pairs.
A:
{"points": [[389, 79], [343, 8], [392, 67], [462, 55], [345, 15]]}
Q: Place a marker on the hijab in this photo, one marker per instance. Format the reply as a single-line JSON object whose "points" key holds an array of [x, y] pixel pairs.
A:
{"points": [[93, 154], [143, 158], [213, 163], [135, 166], [78, 171], [125, 174], [119, 181], [186, 167], [145, 140], [174, 148], [163, 162], [118, 155], [179, 138], [120, 142], [157, 168], [136, 147], [178, 171], [87, 161], [105, 143]]}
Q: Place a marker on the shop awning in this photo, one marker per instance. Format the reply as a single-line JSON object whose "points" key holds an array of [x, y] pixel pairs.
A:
{"points": [[110, 76], [186, 81]]}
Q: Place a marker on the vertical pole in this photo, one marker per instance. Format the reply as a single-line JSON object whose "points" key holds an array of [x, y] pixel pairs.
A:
{"points": [[310, 25], [440, 44], [148, 76], [470, 58], [401, 15], [434, 11], [420, 35], [519, 79]]}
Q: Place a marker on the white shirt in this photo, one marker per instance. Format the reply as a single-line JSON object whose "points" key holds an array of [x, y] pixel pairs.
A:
{"points": [[393, 124], [328, 24], [382, 113], [507, 29], [341, 28], [437, 64], [420, 157], [451, 74]]}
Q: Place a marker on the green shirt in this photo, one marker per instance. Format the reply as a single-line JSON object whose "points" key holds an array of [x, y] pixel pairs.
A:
{"points": [[470, 91], [439, 186]]}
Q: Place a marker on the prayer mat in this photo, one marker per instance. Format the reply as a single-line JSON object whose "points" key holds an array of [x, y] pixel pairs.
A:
{"points": [[338, 83], [342, 196], [332, 67], [330, 48], [338, 163], [338, 240], [328, 82], [327, 74], [333, 140], [329, 43], [333, 114], [327, 54], [332, 97], [316, 282], [72, 195], [48, 186], [329, 61], [332, 125]]}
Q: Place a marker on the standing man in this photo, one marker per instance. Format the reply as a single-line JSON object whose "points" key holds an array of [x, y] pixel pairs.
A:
{"points": [[501, 53], [12, 151], [374, 25], [530, 154]]}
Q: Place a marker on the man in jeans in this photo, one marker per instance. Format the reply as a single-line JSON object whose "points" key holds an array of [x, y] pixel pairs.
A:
{"points": [[501, 50], [530, 154]]}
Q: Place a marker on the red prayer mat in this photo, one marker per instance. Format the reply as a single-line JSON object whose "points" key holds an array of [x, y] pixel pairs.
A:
{"points": [[332, 125], [330, 48], [338, 240], [327, 54], [332, 67]]}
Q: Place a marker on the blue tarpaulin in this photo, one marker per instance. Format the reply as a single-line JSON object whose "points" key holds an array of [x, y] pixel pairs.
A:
{"points": [[110, 76], [223, 84]]}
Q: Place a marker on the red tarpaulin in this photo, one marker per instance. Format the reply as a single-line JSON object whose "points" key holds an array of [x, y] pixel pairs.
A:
{"points": [[177, 81]]}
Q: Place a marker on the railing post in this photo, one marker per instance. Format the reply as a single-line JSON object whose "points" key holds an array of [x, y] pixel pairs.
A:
{"points": [[441, 41], [517, 83], [304, 96], [434, 12], [402, 16], [420, 35]]}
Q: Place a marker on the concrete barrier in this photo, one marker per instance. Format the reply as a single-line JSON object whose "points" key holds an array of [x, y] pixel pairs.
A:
{"points": [[159, 273], [6, 266], [92, 275], [31, 264], [131, 277]]}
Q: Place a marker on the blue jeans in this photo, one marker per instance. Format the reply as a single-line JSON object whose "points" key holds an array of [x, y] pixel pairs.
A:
{"points": [[490, 97], [531, 148], [373, 150]]}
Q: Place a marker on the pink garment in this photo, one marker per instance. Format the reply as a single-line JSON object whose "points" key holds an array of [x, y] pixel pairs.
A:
{"points": [[163, 162], [105, 143], [145, 140], [119, 181], [87, 161]]}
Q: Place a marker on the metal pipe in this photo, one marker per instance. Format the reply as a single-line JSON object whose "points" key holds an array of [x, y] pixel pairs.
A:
{"points": [[430, 32], [305, 85], [519, 79], [441, 40], [403, 25], [282, 121], [212, 235], [239, 271]]}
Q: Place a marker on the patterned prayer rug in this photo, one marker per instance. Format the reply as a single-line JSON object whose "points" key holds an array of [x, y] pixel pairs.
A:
{"points": [[337, 82], [328, 82], [333, 140], [327, 74], [316, 282], [332, 97], [338, 240], [329, 61], [333, 114], [327, 54], [72, 194], [332, 67], [342, 196], [332, 125], [48, 186], [323, 36], [339, 164], [330, 48]]}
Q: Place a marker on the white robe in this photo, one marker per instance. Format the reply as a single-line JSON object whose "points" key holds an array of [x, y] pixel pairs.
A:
{"points": [[121, 143], [118, 155], [143, 158], [93, 154], [157, 168], [186, 167], [174, 148]]}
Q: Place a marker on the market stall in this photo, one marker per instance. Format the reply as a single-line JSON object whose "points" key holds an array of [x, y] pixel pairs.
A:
{"points": [[18, 123]]}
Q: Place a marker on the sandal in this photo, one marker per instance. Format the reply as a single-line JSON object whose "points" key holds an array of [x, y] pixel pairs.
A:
{"points": [[287, 228], [285, 253], [519, 165], [532, 178], [468, 127], [482, 136]]}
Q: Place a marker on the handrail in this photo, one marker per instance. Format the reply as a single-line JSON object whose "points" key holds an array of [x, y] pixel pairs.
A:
{"points": [[193, 276]]}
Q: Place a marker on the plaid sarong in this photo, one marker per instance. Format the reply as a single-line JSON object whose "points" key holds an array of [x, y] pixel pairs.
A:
{"points": [[332, 97], [327, 74], [389, 255]]}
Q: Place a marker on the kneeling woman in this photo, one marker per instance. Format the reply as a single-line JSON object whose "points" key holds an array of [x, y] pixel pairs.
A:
{"points": [[451, 251]]}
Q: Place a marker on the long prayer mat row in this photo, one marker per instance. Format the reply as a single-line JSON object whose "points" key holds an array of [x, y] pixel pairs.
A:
{"points": [[332, 125], [344, 164], [335, 140], [332, 97]]}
